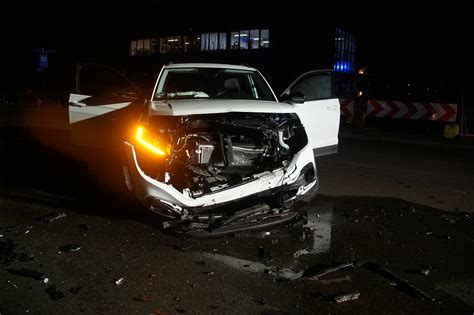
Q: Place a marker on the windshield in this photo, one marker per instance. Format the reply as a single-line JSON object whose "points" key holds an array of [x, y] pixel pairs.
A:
{"points": [[212, 83]]}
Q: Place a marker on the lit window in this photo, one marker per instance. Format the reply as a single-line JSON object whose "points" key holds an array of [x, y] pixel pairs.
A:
{"points": [[254, 39], [163, 44], [244, 40], [213, 41], [174, 44], [234, 40], [223, 41], [139, 46], [204, 42], [133, 48], [187, 43], [146, 45], [264, 38]]}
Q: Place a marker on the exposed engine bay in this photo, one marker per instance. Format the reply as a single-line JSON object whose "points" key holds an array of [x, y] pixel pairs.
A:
{"points": [[208, 153]]}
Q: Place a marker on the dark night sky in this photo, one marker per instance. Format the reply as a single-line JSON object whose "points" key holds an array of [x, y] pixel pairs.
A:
{"points": [[393, 37]]}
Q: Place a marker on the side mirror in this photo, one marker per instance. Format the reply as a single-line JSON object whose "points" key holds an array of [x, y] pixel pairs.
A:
{"points": [[295, 97]]}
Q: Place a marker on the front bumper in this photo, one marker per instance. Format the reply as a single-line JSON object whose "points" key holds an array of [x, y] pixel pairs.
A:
{"points": [[155, 194]]}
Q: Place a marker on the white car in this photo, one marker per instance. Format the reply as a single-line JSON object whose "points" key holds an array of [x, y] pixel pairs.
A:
{"points": [[213, 148]]}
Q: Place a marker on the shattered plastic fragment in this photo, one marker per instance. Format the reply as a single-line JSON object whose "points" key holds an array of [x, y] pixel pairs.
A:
{"points": [[330, 270], [54, 217], [70, 248], [29, 274], [340, 298], [301, 252], [426, 269], [12, 284]]}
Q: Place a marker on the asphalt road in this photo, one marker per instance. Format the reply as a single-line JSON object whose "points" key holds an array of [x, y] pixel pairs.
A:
{"points": [[395, 211]]}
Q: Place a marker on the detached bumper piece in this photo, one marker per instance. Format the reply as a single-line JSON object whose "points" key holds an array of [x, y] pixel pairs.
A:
{"points": [[256, 217]]}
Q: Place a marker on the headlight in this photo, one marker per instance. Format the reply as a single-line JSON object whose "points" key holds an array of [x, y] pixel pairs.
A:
{"points": [[152, 142]]}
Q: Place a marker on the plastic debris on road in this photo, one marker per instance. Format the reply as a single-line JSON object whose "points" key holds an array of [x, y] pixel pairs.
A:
{"points": [[340, 298], [70, 248], [54, 217], [23, 272]]}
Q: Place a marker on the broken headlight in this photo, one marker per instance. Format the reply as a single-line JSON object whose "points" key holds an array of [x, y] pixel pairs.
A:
{"points": [[153, 143]]}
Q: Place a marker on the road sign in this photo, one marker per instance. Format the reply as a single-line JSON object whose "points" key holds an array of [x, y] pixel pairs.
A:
{"points": [[42, 61]]}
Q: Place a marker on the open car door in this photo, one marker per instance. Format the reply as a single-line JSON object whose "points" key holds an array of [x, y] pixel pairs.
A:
{"points": [[313, 95], [100, 108]]}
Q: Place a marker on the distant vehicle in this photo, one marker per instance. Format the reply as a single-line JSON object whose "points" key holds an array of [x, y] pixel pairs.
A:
{"points": [[212, 149]]}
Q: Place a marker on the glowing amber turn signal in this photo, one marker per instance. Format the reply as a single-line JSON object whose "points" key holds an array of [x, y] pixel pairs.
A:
{"points": [[154, 147]]}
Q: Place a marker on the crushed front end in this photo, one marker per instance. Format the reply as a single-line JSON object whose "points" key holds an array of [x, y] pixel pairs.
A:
{"points": [[221, 173]]}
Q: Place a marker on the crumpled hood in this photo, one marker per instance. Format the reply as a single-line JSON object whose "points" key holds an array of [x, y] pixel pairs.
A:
{"points": [[215, 106]]}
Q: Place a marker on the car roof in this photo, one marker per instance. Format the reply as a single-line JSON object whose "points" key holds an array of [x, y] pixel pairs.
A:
{"points": [[208, 65]]}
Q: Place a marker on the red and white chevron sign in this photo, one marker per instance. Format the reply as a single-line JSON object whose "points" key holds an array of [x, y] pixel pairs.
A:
{"points": [[404, 110], [412, 110], [347, 106]]}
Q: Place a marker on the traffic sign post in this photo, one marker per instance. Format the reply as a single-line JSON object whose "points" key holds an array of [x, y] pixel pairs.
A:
{"points": [[43, 64]]}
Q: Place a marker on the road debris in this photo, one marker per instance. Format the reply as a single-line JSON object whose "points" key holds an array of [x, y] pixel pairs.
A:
{"points": [[53, 293], [23, 272], [446, 237], [335, 280], [301, 252], [426, 269], [119, 281], [449, 219], [344, 297], [70, 248], [403, 285], [12, 284], [330, 270], [54, 217], [142, 298]]}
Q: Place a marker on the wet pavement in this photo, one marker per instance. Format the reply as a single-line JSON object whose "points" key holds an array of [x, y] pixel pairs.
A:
{"points": [[103, 253]]}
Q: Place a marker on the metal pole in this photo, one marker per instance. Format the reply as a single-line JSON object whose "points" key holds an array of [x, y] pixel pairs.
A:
{"points": [[463, 114]]}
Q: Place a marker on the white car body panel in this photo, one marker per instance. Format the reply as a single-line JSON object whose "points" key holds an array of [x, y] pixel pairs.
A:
{"points": [[80, 111], [213, 106], [321, 121]]}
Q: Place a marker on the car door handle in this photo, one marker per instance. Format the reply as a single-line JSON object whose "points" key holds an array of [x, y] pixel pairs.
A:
{"points": [[77, 104], [331, 107]]}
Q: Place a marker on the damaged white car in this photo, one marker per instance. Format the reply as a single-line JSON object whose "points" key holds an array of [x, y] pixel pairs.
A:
{"points": [[213, 149]]}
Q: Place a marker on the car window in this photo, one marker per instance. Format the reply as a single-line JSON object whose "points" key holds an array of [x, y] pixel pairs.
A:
{"points": [[212, 83], [98, 80], [314, 87]]}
